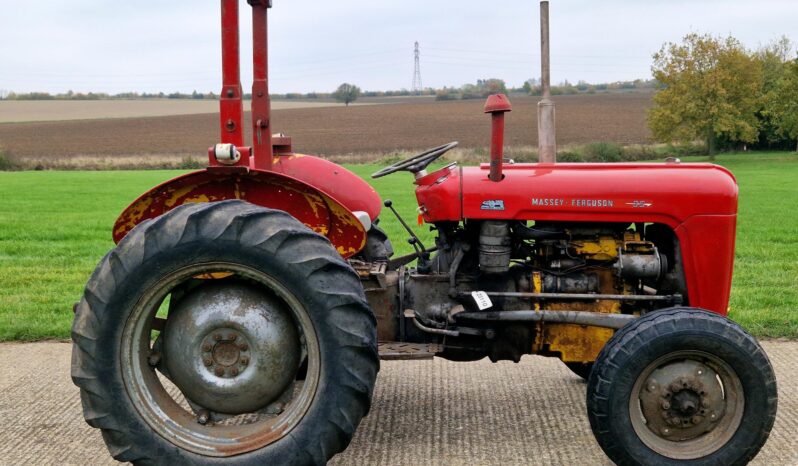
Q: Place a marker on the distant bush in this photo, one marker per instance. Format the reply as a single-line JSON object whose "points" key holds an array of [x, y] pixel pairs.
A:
{"points": [[521, 154], [190, 163], [640, 152], [6, 162], [569, 156], [603, 152], [446, 94]]}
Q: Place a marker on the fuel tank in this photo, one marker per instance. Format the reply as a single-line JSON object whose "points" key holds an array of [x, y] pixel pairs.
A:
{"points": [[697, 201]]}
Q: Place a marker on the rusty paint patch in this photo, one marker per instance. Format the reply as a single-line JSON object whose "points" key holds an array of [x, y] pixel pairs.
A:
{"points": [[317, 210], [575, 343]]}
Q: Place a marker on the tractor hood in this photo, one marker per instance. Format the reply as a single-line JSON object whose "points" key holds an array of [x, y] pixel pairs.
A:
{"points": [[662, 193], [698, 201]]}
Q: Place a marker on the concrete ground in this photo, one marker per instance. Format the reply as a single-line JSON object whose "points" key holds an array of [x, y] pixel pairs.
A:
{"points": [[424, 413]]}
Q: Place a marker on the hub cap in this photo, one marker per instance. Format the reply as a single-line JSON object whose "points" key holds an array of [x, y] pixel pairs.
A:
{"points": [[686, 405], [231, 348]]}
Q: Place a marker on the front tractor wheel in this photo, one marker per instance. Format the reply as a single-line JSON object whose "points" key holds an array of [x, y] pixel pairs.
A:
{"points": [[224, 332], [682, 386]]}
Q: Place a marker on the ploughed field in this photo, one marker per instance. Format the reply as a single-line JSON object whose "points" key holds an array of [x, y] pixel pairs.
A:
{"points": [[330, 131], [55, 227], [17, 111]]}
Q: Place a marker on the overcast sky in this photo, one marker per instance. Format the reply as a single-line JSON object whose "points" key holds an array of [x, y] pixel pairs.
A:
{"points": [[157, 45]]}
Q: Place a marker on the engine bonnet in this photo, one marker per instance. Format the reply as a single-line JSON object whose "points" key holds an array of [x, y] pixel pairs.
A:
{"points": [[664, 193]]}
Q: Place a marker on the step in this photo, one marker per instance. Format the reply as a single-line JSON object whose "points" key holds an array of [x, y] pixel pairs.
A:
{"points": [[400, 351]]}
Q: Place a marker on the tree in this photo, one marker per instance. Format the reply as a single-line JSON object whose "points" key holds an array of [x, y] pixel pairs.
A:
{"points": [[346, 93], [492, 86], [710, 89], [773, 59], [781, 103]]}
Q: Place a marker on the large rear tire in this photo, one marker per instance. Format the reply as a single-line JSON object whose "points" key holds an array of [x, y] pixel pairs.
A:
{"points": [[302, 279], [682, 386]]}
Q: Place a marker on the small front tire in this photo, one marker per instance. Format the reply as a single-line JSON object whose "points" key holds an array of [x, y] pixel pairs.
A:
{"points": [[580, 369], [682, 386]]}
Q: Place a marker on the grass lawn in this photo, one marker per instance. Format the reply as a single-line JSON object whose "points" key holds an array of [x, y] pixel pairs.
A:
{"points": [[55, 227]]}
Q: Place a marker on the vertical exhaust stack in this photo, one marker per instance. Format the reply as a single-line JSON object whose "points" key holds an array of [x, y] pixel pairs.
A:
{"points": [[497, 105], [547, 138]]}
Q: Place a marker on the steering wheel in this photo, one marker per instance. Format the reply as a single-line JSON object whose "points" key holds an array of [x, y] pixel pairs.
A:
{"points": [[418, 162]]}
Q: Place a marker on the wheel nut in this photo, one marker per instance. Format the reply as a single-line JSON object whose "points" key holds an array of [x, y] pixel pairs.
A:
{"points": [[696, 419], [219, 371], [666, 431], [234, 372], [208, 362], [232, 337], [713, 417], [244, 347], [218, 337], [203, 417], [666, 405], [206, 348], [651, 385], [244, 361]]}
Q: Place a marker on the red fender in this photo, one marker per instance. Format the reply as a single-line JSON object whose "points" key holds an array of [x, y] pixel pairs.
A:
{"points": [[333, 179], [313, 207]]}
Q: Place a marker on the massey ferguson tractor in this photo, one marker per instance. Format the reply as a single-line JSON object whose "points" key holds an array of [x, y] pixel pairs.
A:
{"points": [[243, 314]]}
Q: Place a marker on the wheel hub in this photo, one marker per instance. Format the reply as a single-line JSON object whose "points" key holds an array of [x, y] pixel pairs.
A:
{"points": [[225, 353], [683, 400], [231, 347]]}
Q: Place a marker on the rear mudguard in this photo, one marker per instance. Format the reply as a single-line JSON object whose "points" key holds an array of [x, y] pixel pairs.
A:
{"points": [[310, 204], [332, 179]]}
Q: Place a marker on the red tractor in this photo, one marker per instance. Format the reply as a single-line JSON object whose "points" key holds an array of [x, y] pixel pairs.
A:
{"points": [[242, 315]]}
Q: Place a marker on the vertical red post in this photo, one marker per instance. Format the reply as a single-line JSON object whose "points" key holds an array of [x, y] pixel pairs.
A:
{"points": [[497, 105], [261, 104], [231, 104]]}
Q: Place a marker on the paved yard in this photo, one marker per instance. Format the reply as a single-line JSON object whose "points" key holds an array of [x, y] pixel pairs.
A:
{"points": [[425, 413]]}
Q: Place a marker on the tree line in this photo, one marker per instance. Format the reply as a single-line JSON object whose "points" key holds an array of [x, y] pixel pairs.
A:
{"points": [[716, 90], [71, 95], [482, 88]]}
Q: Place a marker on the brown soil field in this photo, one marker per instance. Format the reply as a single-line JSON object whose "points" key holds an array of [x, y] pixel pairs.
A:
{"points": [[374, 129], [12, 111]]}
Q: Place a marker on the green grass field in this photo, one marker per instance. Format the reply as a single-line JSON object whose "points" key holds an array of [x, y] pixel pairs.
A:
{"points": [[55, 226]]}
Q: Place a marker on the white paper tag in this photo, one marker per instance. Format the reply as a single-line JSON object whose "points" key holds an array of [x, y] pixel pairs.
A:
{"points": [[482, 299]]}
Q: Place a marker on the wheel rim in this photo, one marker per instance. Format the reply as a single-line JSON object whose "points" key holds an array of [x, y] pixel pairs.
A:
{"points": [[687, 405], [186, 423]]}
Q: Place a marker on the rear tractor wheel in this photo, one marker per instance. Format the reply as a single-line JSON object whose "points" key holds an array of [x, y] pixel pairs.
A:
{"points": [[682, 386], [224, 331]]}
